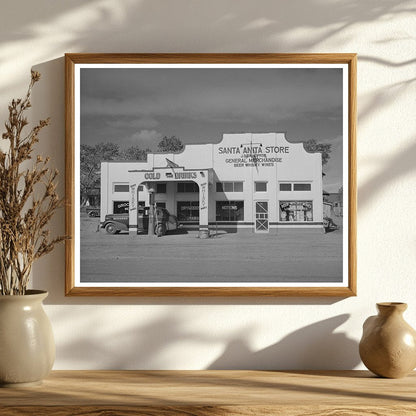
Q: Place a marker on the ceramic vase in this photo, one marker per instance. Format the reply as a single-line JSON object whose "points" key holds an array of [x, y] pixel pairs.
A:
{"points": [[27, 347], [388, 345]]}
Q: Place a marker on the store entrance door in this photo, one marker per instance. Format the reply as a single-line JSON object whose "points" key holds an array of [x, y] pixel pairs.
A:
{"points": [[262, 217]]}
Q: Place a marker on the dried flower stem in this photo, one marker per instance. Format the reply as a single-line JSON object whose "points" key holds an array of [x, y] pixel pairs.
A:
{"points": [[23, 217]]}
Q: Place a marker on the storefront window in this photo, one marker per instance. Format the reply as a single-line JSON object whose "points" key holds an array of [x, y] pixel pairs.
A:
{"points": [[261, 186], [121, 187], [297, 211], [301, 186], [285, 186], [229, 187], [296, 186], [160, 188], [188, 210], [184, 187], [120, 207], [230, 211]]}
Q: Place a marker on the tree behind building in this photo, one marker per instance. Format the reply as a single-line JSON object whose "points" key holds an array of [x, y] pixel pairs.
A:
{"points": [[170, 145], [313, 147]]}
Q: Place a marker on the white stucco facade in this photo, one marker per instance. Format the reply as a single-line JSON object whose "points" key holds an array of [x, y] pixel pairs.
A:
{"points": [[252, 181]]}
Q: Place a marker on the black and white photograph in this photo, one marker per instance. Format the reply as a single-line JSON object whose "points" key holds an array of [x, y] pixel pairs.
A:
{"points": [[211, 175]]}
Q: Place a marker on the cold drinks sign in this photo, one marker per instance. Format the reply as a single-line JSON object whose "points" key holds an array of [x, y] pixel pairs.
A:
{"points": [[253, 154]]}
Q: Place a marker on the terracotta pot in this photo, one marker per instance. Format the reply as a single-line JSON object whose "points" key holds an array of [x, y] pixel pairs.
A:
{"points": [[388, 344], [27, 347]]}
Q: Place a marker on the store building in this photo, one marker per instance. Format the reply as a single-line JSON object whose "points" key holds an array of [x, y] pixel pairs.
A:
{"points": [[251, 181]]}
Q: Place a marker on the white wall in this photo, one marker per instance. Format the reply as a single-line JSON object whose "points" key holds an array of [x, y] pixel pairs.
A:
{"points": [[197, 333]]}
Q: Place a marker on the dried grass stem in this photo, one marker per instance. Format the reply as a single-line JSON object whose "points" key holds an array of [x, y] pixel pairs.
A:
{"points": [[24, 216]]}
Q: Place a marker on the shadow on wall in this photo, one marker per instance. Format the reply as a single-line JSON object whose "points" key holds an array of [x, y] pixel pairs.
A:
{"points": [[146, 346], [390, 170], [48, 100], [51, 28], [314, 347], [153, 344], [144, 22]]}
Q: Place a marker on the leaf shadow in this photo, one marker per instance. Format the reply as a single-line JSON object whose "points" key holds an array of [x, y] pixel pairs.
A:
{"points": [[316, 346]]}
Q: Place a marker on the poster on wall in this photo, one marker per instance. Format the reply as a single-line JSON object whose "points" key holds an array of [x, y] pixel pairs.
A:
{"points": [[210, 174]]}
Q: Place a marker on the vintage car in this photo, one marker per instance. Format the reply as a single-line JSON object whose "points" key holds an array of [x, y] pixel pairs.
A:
{"points": [[163, 221], [329, 225], [93, 212]]}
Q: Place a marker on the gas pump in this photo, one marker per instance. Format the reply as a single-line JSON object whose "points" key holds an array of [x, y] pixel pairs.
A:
{"points": [[151, 227]]}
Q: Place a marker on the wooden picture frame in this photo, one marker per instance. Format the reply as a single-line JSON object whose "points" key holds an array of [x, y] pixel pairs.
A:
{"points": [[176, 89]]}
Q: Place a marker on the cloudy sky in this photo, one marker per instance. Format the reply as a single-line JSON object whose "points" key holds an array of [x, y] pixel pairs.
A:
{"points": [[140, 106]]}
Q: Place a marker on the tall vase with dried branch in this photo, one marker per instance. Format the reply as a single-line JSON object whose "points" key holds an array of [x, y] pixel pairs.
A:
{"points": [[28, 200]]}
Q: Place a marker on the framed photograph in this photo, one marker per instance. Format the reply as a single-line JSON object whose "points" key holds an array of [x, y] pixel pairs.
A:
{"points": [[211, 174]]}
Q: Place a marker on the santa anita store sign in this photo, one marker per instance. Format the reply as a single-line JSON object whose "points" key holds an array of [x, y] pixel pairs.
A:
{"points": [[258, 182], [253, 155]]}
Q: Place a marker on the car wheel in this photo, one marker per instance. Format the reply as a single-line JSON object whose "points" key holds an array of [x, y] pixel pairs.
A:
{"points": [[160, 230], [111, 228]]}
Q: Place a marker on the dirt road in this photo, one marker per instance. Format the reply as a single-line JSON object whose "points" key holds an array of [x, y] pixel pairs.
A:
{"points": [[289, 256]]}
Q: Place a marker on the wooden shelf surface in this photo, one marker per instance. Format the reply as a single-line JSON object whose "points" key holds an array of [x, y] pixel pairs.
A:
{"points": [[203, 393]]}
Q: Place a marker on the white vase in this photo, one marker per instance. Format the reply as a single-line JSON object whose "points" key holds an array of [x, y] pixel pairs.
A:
{"points": [[27, 346]]}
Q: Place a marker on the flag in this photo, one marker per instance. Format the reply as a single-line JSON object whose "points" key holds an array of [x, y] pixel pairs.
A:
{"points": [[171, 164]]}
